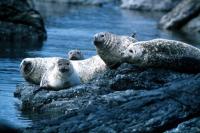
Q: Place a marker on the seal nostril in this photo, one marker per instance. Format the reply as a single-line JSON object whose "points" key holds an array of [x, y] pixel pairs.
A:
{"points": [[131, 51]]}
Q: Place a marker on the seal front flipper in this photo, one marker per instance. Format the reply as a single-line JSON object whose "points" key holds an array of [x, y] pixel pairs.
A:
{"points": [[39, 89], [43, 84]]}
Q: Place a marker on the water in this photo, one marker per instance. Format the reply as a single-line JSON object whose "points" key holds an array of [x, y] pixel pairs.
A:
{"points": [[70, 28]]}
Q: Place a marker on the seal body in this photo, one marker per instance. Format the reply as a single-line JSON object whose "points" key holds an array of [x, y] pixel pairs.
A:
{"points": [[110, 47], [32, 69], [164, 53], [161, 53], [87, 69], [60, 75], [75, 55]]}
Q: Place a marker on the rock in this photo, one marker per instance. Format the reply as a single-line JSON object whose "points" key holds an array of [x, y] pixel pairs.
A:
{"points": [[149, 100], [78, 2], [190, 126], [193, 27], [5, 127], [150, 5], [19, 21], [180, 15]]}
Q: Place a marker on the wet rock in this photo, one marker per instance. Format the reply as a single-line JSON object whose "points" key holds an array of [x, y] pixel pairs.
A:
{"points": [[150, 5], [193, 27], [78, 2], [154, 100], [19, 21], [180, 15], [191, 126], [5, 127]]}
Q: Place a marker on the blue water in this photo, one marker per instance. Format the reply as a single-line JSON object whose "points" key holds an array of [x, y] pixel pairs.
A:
{"points": [[70, 28]]}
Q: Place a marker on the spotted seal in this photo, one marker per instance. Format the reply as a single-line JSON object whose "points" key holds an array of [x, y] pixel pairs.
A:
{"points": [[75, 55], [110, 46], [163, 53], [60, 75], [160, 53], [33, 69]]}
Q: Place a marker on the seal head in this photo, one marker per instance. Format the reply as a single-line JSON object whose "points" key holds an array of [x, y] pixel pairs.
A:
{"points": [[59, 76], [75, 55], [110, 47], [27, 69], [32, 69]]}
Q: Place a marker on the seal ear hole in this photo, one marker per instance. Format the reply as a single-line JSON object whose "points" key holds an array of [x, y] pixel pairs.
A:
{"points": [[131, 51]]}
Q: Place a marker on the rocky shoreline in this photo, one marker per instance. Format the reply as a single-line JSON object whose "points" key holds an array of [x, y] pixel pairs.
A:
{"points": [[128, 99], [20, 20]]}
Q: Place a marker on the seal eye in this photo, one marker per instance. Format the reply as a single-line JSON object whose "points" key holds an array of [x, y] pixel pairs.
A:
{"points": [[102, 35]]}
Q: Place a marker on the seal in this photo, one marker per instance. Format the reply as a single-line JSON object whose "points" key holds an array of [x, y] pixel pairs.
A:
{"points": [[110, 47], [60, 75], [163, 53], [159, 53], [89, 68], [33, 69], [75, 55]]}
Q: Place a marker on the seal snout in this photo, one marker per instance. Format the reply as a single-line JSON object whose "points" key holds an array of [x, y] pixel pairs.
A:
{"points": [[75, 55], [99, 38], [63, 65]]}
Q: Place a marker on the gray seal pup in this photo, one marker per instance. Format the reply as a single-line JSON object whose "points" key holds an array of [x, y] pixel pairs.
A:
{"points": [[75, 55], [60, 75], [110, 46], [32, 69], [159, 53]]}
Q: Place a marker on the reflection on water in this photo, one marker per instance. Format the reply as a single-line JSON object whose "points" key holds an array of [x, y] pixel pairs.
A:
{"points": [[14, 49], [69, 28]]}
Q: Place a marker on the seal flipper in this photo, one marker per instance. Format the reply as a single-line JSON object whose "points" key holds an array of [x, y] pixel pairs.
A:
{"points": [[39, 89], [43, 84]]}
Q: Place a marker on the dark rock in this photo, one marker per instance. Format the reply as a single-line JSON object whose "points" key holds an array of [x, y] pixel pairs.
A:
{"points": [[191, 126], [19, 21], [7, 128], [193, 27], [77, 2], [155, 101], [180, 15], [150, 5]]}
